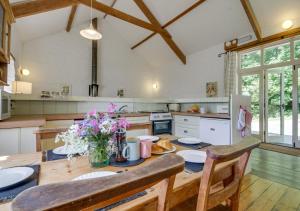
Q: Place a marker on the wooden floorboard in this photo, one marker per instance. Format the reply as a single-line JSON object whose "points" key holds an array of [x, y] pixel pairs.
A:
{"points": [[277, 167], [273, 185]]}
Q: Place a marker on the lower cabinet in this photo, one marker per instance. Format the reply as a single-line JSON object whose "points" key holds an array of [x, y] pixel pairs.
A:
{"points": [[135, 120], [9, 141], [215, 131], [17, 141], [210, 130]]}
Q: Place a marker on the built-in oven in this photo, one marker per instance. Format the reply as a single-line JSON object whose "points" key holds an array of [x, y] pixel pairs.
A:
{"points": [[162, 127], [161, 123], [4, 105]]}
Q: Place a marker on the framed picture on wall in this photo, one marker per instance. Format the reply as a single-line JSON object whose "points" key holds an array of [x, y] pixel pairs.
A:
{"points": [[211, 89]]}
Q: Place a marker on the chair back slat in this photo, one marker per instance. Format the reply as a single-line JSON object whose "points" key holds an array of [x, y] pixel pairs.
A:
{"points": [[225, 164], [99, 192]]}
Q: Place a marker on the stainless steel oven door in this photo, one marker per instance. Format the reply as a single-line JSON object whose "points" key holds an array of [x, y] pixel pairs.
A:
{"points": [[162, 127]]}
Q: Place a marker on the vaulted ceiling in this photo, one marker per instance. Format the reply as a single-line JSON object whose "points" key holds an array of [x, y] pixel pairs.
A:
{"points": [[211, 23]]}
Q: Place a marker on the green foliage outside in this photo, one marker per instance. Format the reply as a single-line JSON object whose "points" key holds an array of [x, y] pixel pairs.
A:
{"points": [[250, 83]]}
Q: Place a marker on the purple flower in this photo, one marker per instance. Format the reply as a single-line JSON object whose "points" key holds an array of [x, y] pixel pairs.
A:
{"points": [[112, 108], [92, 112], [123, 123]]}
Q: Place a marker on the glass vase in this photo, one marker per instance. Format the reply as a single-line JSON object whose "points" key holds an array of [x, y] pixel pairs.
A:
{"points": [[98, 154]]}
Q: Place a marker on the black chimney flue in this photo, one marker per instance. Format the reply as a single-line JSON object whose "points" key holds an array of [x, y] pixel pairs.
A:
{"points": [[94, 87]]}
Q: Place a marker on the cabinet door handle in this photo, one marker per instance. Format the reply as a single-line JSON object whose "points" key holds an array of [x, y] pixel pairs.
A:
{"points": [[185, 131], [212, 129], [185, 120]]}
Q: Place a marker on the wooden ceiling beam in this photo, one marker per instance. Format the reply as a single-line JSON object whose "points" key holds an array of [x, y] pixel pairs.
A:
{"points": [[155, 22], [32, 7], [112, 5], [269, 39], [195, 5], [252, 18], [123, 16], [71, 17]]}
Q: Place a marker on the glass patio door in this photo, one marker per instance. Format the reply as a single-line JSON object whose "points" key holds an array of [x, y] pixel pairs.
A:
{"points": [[296, 104], [279, 106]]}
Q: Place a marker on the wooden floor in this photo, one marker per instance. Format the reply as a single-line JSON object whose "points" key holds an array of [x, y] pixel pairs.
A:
{"points": [[277, 167], [274, 184]]}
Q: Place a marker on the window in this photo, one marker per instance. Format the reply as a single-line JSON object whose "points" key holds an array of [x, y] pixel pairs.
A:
{"points": [[271, 82], [297, 49], [250, 60], [11, 75], [277, 54]]}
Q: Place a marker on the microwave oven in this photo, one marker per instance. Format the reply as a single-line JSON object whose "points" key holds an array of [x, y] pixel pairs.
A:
{"points": [[5, 105]]}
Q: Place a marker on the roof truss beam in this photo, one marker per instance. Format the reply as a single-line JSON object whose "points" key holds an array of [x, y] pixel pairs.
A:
{"points": [[252, 18], [71, 17], [155, 22], [123, 16], [195, 5], [32, 7]]}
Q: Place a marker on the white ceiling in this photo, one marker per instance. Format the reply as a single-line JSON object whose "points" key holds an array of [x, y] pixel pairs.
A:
{"points": [[212, 23]]}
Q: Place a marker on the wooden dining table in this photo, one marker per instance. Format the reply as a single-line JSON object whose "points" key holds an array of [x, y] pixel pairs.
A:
{"points": [[186, 183]]}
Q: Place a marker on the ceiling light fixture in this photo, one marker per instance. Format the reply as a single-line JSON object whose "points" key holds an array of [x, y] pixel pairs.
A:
{"points": [[91, 33], [287, 24]]}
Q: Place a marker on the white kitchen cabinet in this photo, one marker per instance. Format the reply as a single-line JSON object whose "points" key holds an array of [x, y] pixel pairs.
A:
{"points": [[28, 140], [215, 131], [17, 141], [9, 141], [186, 126]]}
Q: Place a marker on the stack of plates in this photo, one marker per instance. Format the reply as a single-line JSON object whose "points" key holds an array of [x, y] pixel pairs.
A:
{"points": [[189, 140], [193, 156], [148, 138]]}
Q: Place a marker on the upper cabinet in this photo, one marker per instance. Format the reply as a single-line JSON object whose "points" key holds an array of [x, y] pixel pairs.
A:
{"points": [[6, 19]]}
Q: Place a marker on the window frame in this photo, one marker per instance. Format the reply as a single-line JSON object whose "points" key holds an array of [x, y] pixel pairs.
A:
{"points": [[262, 70]]}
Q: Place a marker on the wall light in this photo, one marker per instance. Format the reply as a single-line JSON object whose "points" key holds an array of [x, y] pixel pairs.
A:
{"points": [[287, 24], [155, 86], [24, 72]]}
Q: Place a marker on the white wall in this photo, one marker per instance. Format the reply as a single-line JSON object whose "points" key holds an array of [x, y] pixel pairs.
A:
{"points": [[178, 80], [65, 58]]}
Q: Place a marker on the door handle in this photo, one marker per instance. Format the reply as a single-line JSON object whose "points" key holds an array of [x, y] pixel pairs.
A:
{"points": [[212, 129]]}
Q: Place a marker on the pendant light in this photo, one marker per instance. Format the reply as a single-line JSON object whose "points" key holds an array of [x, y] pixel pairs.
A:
{"points": [[91, 33]]}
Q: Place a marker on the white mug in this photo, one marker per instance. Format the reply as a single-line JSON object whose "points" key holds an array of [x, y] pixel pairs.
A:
{"points": [[132, 151]]}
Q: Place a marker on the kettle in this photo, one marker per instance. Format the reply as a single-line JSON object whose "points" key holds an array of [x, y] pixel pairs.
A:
{"points": [[174, 107]]}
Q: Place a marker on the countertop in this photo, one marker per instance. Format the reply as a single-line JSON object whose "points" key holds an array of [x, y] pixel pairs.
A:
{"points": [[206, 115], [23, 121]]}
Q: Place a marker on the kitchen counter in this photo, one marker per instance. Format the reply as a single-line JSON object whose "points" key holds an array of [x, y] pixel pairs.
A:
{"points": [[23, 121], [206, 115]]}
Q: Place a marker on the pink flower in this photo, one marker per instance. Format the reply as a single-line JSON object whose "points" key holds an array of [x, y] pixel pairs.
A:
{"points": [[112, 108], [123, 123], [92, 112]]}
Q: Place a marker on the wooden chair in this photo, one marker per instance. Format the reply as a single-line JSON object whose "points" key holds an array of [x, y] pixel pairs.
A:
{"points": [[45, 138], [100, 192], [231, 176]]}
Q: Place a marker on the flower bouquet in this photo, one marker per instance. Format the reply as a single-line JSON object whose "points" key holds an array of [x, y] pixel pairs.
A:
{"points": [[94, 135]]}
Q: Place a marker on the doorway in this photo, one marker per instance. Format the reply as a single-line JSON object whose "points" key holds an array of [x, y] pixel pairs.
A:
{"points": [[279, 105]]}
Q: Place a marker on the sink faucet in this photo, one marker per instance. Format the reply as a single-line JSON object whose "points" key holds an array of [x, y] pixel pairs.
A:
{"points": [[122, 109]]}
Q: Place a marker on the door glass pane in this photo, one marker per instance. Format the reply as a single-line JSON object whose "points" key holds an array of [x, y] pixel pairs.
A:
{"points": [[297, 49], [250, 87], [277, 54], [279, 109], [251, 59]]}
